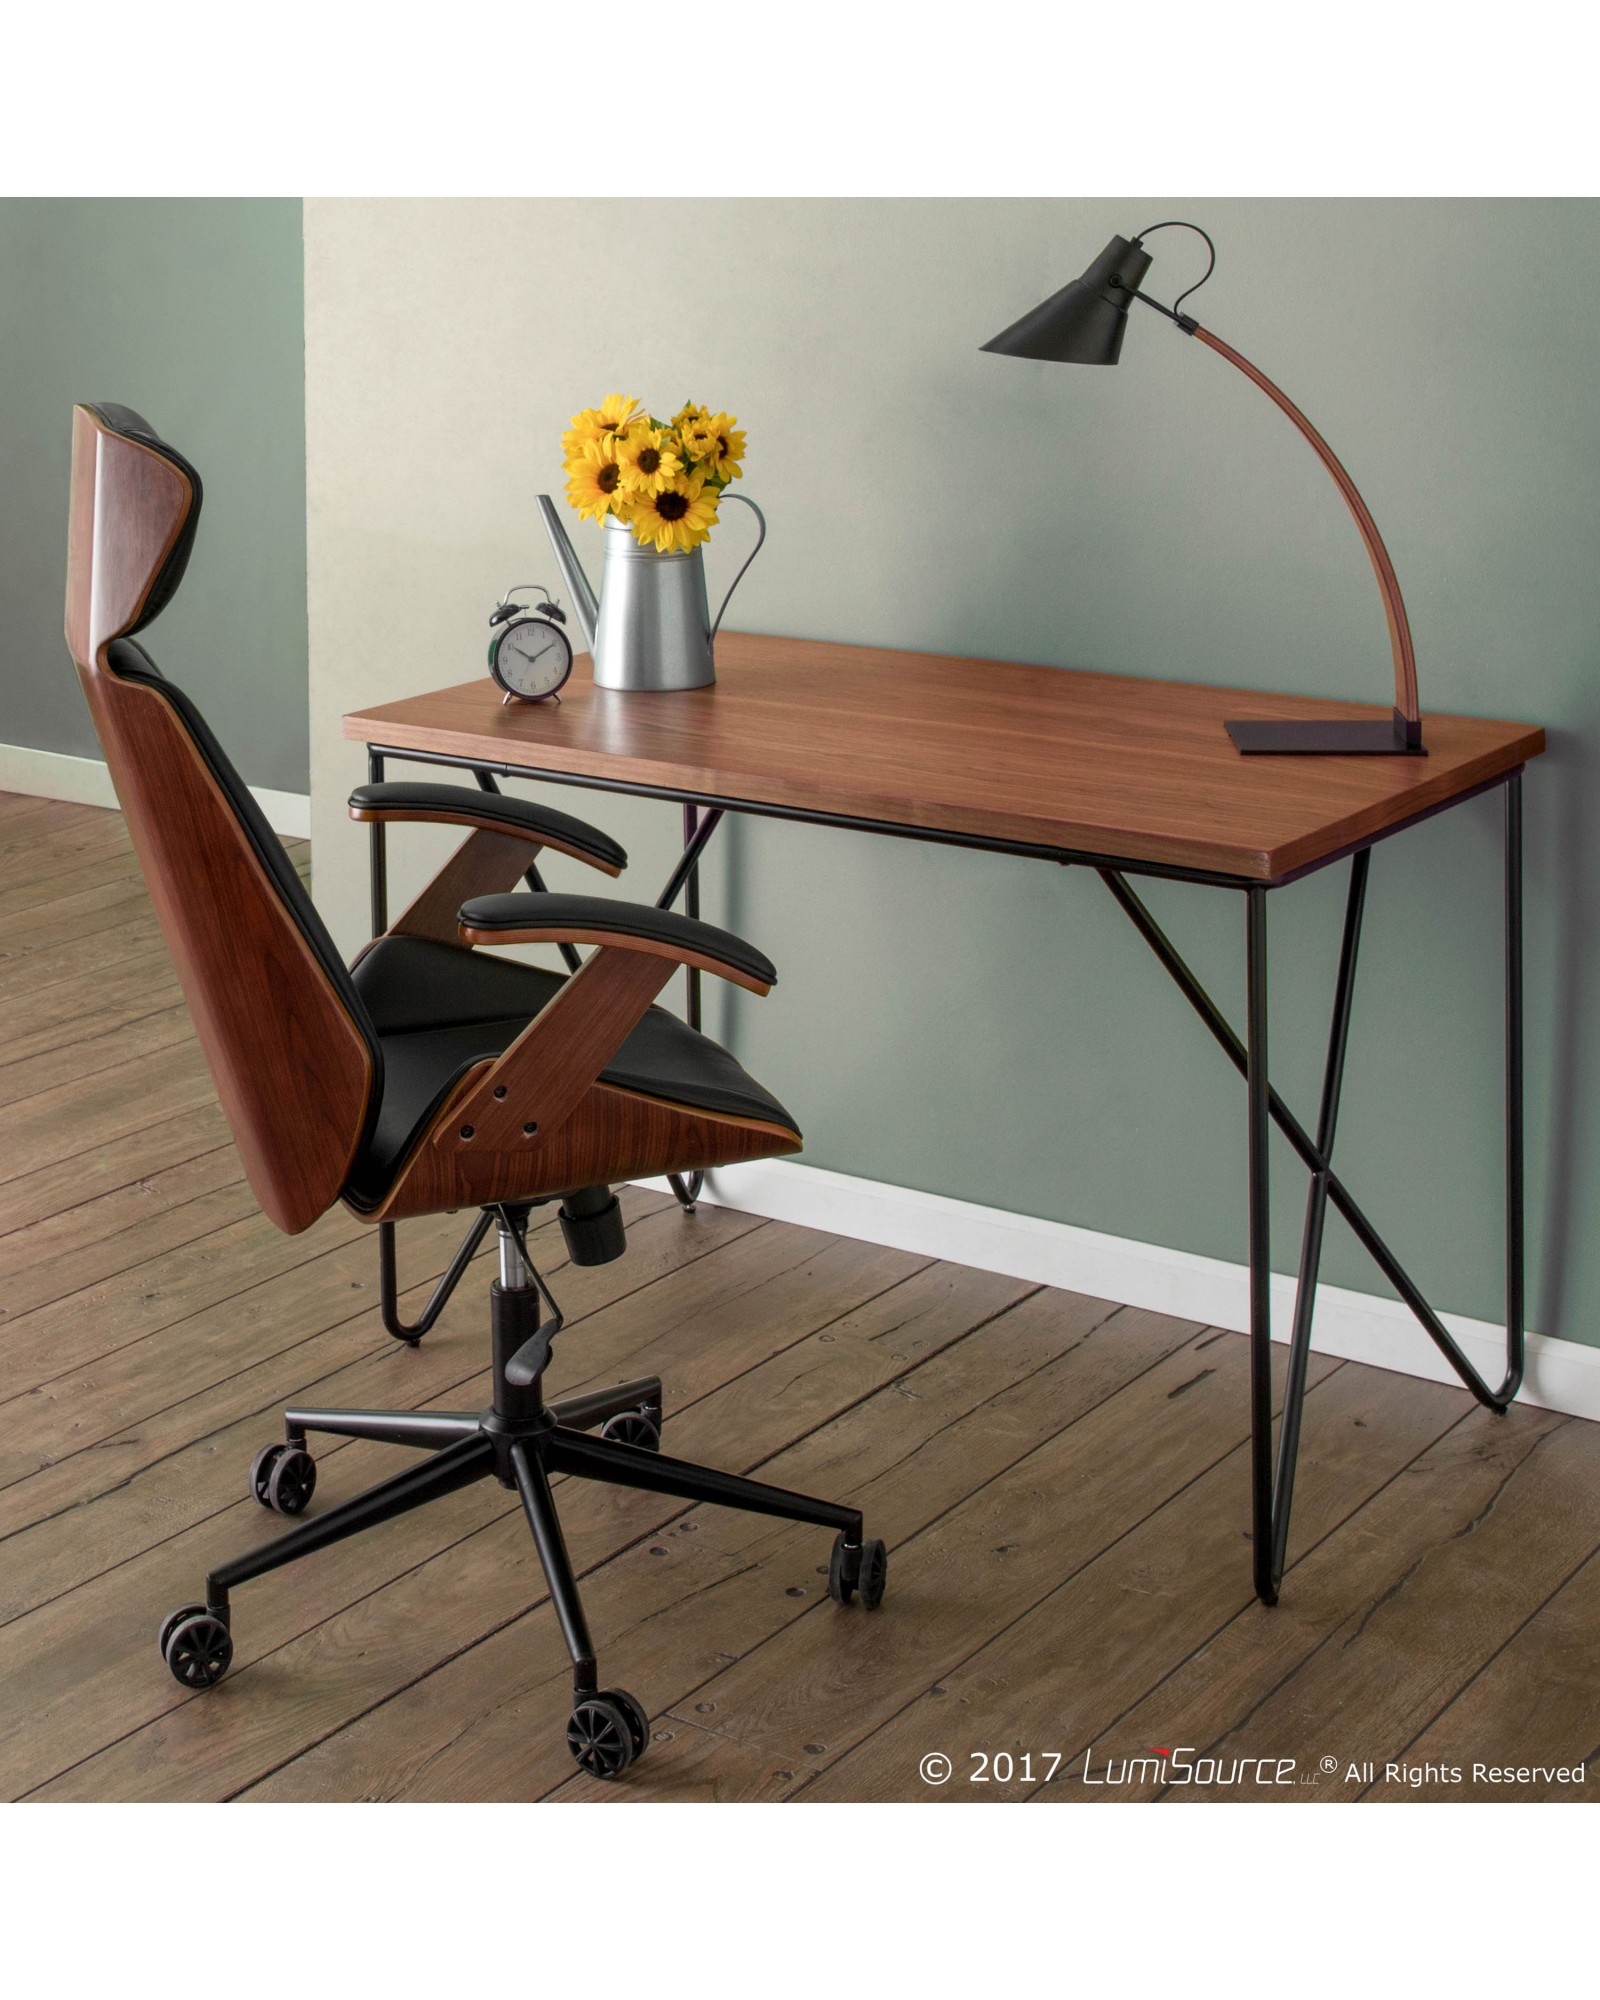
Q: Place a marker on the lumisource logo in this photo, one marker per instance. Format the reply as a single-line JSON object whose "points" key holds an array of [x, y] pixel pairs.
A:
{"points": [[1178, 1765]]}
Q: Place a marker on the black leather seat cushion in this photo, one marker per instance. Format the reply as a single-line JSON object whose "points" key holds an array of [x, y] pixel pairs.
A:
{"points": [[438, 1009]]}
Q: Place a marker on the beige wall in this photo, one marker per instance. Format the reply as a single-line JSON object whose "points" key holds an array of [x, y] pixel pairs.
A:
{"points": [[978, 1026], [918, 493], [447, 344]]}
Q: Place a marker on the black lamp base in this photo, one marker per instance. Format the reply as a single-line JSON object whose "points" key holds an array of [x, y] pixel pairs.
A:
{"points": [[1396, 738]]}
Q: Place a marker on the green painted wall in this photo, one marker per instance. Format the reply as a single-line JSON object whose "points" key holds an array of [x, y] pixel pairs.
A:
{"points": [[192, 312], [993, 1029]]}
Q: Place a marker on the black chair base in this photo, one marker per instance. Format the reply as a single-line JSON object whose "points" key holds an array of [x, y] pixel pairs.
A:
{"points": [[522, 1442]]}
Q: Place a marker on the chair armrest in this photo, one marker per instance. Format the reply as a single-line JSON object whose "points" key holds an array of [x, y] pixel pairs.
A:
{"points": [[462, 805], [639, 927], [537, 1083]]}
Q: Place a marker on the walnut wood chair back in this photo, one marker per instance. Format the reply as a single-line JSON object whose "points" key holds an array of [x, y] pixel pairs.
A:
{"points": [[295, 1060]]}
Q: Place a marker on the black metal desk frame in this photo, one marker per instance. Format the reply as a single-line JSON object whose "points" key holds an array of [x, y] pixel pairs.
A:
{"points": [[1272, 1489]]}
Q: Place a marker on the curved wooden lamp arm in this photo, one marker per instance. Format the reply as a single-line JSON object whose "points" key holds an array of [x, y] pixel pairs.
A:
{"points": [[1405, 663]]}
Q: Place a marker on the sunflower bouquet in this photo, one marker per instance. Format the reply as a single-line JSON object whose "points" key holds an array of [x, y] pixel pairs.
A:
{"points": [[662, 480]]}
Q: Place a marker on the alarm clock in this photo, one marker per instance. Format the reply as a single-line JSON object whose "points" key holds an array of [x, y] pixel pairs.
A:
{"points": [[530, 656]]}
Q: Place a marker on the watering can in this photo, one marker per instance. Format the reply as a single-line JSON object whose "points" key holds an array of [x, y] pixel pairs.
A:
{"points": [[652, 629]]}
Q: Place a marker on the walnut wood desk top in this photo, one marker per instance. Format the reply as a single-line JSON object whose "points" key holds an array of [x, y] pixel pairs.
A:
{"points": [[1099, 764]]}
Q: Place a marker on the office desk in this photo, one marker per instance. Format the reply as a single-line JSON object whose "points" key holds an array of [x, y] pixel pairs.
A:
{"points": [[1126, 776]]}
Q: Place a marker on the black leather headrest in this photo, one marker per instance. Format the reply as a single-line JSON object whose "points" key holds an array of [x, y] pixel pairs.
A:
{"points": [[129, 424]]}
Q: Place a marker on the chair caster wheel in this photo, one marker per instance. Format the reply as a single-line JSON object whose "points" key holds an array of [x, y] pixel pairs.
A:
{"points": [[283, 1477], [196, 1646], [638, 1721], [865, 1569], [606, 1732], [635, 1427]]}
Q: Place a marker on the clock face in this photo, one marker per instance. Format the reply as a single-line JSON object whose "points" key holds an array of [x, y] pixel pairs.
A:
{"points": [[533, 658]]}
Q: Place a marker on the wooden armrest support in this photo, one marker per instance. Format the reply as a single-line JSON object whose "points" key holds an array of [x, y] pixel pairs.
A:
{"points": [[484, 864], [637, 928], [541, 1079], [459, 805]]}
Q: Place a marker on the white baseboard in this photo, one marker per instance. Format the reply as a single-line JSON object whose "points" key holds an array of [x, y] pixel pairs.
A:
{"points": [[1561, 1374], [85, 781]]}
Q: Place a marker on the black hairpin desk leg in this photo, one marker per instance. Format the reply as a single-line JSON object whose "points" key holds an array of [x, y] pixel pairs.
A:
{"points": [[377, 854], [685, 878], [1256, 1087], [389, 1280], [1294, 1388], [1271, 1497], [1272, 1485], [1515, 1249]]}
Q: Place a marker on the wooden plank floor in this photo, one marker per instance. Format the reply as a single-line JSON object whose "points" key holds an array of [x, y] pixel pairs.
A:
{"points": [[1062, 1483]]}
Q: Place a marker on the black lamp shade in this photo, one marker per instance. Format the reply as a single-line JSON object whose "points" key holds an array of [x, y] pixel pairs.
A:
{"points": [[1084, 321]]}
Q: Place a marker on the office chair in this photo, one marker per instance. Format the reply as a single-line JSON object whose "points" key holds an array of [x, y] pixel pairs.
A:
{"points": [[425, 1077]]}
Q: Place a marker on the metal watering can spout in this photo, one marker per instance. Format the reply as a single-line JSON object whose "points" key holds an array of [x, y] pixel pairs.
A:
{"points": [[585, 607]]}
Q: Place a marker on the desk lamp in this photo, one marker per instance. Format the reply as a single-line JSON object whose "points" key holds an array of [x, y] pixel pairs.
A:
{"points": [[1085, 322]]}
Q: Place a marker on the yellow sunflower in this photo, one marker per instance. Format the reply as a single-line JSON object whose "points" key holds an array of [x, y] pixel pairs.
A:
{"points": [[679, 517], [692, 427], [614, 414], [595, 487], [648, 458], [725, 450]]}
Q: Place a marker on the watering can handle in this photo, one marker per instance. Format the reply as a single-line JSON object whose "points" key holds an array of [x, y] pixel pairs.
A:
{"points": [[749, 559]]}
